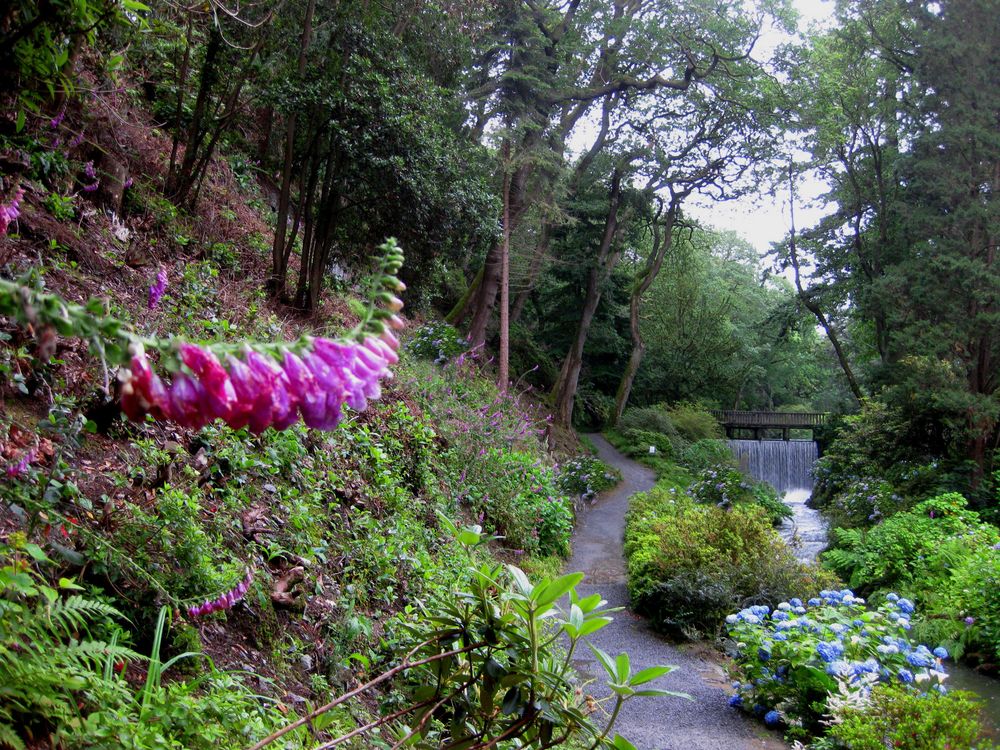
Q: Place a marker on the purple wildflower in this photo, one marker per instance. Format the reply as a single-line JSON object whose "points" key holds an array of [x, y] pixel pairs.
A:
{"points": [[128, 184], [158, 288], [91, 187], [57, 120], [224, 601], [10, 211], [21, 466], [89, 171], [77, 140]]}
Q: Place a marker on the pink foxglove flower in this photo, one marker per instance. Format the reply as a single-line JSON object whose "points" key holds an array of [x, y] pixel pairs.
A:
{"points": [[21, 465], [218, 395], [157, 289], [10, 211], [224, 601], [142, 391]]}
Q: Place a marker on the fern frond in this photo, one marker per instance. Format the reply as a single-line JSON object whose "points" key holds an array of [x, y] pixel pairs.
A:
{"points": [[73, 613], [9, 738]]}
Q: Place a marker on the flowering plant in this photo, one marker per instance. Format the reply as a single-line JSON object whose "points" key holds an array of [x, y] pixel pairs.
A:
{"points": [[586, 477], [725, 486], [259, 386], [798, 659]]}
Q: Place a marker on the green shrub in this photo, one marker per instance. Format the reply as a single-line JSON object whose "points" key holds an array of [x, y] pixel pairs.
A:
{"points": [[909, 546], [941, 555], [694, 423], [896, 717], [689, 565], [725, 487], [436, 341], [639, 442], [651, 419], [706, 454], [586, 477]]}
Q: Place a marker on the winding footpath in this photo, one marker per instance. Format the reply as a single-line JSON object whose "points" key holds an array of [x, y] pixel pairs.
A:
{"points": [[707, 723]]}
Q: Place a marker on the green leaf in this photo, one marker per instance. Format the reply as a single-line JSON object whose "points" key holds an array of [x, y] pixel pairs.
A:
{"points": [[511, 701], [36, 553], [65, 583], [623, 667], [520, 579], [650, 673], [656, 692], [553, 590], [605, 660], [593, 625], [19, 123], [620, 743]]}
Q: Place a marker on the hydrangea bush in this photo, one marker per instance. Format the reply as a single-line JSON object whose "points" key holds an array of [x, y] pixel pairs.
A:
{"points": [[798, 660], [586, 477], [726, 486]]}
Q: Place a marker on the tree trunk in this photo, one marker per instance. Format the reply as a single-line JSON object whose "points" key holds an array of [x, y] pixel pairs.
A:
{"points": [[279, 256], [812, 306], [662, 242], [564, 390], [503, 376]]}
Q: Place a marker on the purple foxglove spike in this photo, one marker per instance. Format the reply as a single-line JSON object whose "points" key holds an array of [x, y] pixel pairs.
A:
{"points": [[382, 349], [219, 395], [390, 339], [249, 391], [311, 398], [186, 397], [323, 415], [335, 353], [283, 403], [373, 391], [372, 361], [326, 376]]}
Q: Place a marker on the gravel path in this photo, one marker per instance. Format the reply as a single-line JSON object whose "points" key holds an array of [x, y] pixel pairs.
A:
{"points": [[707, 723]]}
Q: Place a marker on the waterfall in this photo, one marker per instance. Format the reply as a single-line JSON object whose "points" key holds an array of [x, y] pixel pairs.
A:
{"points": [[784, 464], [787, 466]]}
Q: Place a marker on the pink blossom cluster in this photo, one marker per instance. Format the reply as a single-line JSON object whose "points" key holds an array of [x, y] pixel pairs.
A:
{"points": [[157, 289], [10, 211], [225, 601], [91, 174], [256, 391], [21, 465]]}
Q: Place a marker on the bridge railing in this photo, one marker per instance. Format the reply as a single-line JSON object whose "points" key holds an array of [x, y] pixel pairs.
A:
{"points": [[771, 419]]}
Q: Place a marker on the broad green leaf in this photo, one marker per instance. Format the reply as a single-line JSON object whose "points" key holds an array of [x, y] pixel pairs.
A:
{"points": [[650, 673], [663, 693]]}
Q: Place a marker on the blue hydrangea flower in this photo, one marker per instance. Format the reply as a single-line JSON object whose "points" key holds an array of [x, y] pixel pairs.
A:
{"points": [[764, 652], [905, 675], [796, 602], [941, 653], [779, 616], [736, 700], [830, 650], [892, 598], [780, 636], [784, 606], [840, 668], [772, 718], [814, 602], [906, 606]]}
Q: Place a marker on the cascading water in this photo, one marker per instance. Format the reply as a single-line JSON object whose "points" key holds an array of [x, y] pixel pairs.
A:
{"points": [[784, 464], [787, 466]]}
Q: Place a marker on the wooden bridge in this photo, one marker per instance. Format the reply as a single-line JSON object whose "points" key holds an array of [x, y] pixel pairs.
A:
{"points": [[757, 422]]}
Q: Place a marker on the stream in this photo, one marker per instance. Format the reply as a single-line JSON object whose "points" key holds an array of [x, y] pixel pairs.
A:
{"points": [[787, 465]]}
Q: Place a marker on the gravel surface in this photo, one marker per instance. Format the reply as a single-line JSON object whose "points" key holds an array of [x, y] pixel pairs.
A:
{"points": [[707, 722]]}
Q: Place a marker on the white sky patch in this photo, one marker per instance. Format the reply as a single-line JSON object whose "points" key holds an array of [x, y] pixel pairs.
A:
{"points": [[761, 218]]}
